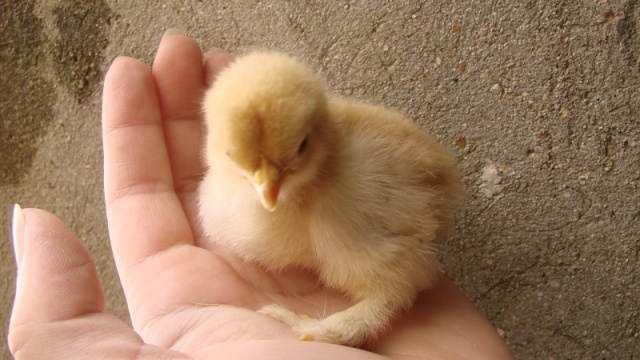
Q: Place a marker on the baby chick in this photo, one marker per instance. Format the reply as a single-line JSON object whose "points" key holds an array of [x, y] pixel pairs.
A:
{"points": [[296, 177]]}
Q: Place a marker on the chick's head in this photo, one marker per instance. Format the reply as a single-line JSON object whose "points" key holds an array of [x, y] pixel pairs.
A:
{"points": [[268, 114]]}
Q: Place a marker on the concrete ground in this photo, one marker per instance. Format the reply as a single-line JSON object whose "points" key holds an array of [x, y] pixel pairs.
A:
{"points": [[540, 100]]}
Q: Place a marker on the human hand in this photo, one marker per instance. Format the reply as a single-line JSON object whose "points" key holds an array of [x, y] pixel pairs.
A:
{"points": [[186, 298]]}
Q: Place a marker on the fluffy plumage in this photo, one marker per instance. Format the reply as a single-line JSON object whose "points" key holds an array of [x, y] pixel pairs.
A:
{"points": [[297, 177]]}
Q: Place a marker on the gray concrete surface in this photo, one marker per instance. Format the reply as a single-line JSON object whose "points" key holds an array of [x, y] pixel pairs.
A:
{"points": [[539, 99]]}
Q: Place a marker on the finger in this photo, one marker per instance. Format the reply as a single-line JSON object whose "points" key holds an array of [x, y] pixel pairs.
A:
{"points": [[178, 72], [59, 310], [181, 80], [215, 60], [145, 216], [57, 279]]}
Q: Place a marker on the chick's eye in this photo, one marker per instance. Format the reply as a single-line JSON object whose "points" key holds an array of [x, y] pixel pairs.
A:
{"points": [[303, 145]]}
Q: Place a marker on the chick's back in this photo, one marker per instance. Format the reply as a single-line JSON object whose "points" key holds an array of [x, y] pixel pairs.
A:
{"points": [[393, 199], [399, 157]]}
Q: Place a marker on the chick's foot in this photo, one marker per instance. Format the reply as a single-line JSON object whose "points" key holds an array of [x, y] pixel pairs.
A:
{"points": [[329, 330]]}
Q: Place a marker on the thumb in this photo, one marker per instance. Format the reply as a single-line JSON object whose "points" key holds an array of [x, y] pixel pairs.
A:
{"points": [[57, 279]]}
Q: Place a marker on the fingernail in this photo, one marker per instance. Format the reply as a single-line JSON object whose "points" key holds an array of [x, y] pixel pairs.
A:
{"points": [[17, 232], [173, 31]]}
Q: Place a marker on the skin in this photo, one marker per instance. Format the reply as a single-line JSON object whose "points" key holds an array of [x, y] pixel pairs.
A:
{"points": [[188, 300]]}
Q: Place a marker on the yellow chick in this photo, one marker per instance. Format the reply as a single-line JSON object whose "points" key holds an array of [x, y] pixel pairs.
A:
{"points": [[296, 177]]}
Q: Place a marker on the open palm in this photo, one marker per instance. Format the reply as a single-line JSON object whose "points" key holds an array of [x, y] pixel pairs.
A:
{"points": [[187, 299]]}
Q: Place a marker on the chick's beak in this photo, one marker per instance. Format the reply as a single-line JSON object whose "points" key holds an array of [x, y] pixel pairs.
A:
{"points": [[267, 182], [269, 195]]}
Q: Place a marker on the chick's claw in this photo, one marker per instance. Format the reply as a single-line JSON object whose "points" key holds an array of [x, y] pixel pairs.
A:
{"points": [[302, 324], [310, 329], [323, 330], [283, 315], [306, 337]]}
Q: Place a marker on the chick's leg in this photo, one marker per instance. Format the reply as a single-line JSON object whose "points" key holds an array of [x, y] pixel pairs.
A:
{"points": [[349, 327]]}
